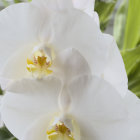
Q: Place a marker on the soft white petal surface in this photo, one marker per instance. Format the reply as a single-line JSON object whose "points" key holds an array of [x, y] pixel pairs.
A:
{"points": [[27, 100], [53, 4], [132, 103], [99, 110], [15, 67], [98, 98], [37, 131], [84, 4], [115, 72], [96, 18], [59, 5], [4, 82], [69, 63], [19, 26], [88, 7]]}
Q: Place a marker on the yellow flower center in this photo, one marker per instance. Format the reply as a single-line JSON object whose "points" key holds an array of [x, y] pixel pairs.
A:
{"points": [[64, 128], [59, 132], [39, 65]]}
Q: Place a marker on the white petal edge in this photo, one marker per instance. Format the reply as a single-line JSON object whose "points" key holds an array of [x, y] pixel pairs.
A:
{"points": [[132, 103], [115, 72]]}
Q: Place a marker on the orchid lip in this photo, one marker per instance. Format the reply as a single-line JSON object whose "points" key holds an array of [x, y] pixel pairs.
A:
{"points": [[39, 64], [63, 128]]}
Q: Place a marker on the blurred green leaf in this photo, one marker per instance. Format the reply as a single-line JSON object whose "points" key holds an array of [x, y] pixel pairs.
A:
{"points": [[1, 92], [127, 34], [105, 10], [13, 138], [134, 79], [120, 22], [5, 134], [132, 64], [5, 3], [131, 57], [132, 30], [8, 2], [17, 1]]}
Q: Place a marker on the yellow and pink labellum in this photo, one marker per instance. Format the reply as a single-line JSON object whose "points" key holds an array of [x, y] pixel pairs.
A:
{"points": [[40, 64]]}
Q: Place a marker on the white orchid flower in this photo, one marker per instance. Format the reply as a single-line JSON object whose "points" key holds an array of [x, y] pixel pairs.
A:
{"points": [[44, 28], [67, 78], [34, 109]]}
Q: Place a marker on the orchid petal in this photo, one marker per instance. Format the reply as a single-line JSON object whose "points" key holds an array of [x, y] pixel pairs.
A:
{"points": [[17, 65], [84, 4], [28, 99], [132, 103], [115, 72], [96, 18], [98, 99], [19, 25], [53, 4], [99, 110], [69, 63], [38, 129]]}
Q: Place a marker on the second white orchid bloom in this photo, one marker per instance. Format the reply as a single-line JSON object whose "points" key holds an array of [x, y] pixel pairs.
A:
{"points": [[84, 107], [67, 79]]}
